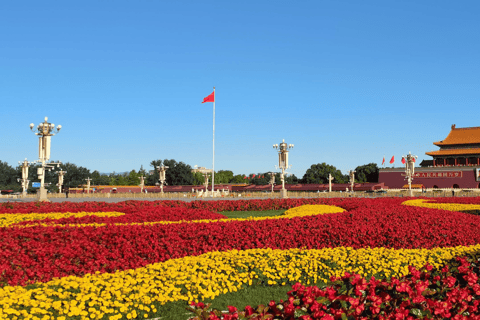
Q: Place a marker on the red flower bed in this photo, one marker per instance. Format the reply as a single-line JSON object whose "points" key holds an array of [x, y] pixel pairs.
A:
{"points": [[38, 253], [449, 293], [151, 214], [136, 206]]}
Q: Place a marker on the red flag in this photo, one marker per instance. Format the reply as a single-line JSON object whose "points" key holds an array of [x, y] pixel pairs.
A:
{"points": [[253, 176], [403, 160], [392, 160], [383, 161], [413, 159], [209, 98], [245, 177]]}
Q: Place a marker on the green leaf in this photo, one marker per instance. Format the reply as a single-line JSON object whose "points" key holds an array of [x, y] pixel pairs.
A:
{"points": [[416, 312], [344, 316], [324, 300], [260, 308]]}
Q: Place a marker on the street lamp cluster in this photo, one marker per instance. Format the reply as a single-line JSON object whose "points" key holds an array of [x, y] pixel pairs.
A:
{"points": [[283, 163], [45, 131]]}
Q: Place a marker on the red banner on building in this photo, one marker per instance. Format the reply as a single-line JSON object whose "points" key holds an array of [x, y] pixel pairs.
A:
{"points": [[448, 174]]}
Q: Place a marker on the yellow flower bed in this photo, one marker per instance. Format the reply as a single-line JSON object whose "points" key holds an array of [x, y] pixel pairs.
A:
{"points": [[445, 206], [205, 276], [302, 211], [9, 219], [311, 210]]}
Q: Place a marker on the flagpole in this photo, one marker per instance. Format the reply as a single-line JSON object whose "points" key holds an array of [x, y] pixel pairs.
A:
{"points": [[213, 165]]}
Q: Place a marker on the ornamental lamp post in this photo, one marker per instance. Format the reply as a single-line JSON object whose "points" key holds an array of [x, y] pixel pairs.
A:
{"points": [[205, 172], [61, 173], [283, 163], [272, 179], [142, 183], [409, 170], [330, 178], [88, 184], [205, 177], [161, 172], [24, 181], [45, 131], [351, 174]]}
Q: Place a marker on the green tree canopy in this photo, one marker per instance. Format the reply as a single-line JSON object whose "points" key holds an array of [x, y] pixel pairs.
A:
{"points": [[223, 176], [198, 179], [8, 177], [238, 178], [74, 177], [367, 173], [133, 178], [318, 173], [153, 178], [178, 173], [291, 179], [99, 179]]}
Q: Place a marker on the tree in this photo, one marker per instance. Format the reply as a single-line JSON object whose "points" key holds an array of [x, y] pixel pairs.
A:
{"points": [[291, 179], [8, 177], [239, 178], [367, 173], [133, 178], [198, 179], [260, 179], [318, 173], [74, 178], [99, 179], [142, 172], [178, 173], [153, 178], [223, 176], [112, 179]]}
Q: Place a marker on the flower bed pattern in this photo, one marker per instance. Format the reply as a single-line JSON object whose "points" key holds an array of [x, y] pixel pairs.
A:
{"points": [[122, 262]]}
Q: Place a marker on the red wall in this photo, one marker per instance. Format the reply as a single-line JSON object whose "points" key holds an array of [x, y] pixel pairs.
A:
{"points": [[394, 179]]}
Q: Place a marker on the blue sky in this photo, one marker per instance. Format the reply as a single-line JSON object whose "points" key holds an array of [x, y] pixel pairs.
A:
{"points": [[347, 82]]}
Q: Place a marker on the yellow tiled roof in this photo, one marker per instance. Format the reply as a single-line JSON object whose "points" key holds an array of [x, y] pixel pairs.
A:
{"points": [[454, 152], [461, 136]]}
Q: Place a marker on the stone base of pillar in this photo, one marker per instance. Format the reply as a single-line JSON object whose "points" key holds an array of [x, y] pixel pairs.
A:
{"points": [[283, 193], [42, 195]]}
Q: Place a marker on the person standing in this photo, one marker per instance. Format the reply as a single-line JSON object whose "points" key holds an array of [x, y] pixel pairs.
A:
{"points": [[66, 192]]}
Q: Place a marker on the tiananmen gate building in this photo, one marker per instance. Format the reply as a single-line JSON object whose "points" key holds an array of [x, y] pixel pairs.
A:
{"points": [[455, 165]]}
